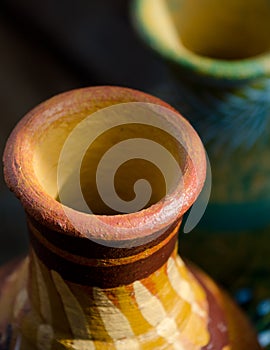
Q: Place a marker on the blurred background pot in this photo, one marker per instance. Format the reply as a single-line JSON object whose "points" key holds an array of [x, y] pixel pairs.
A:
{"points": [[219, 55], [107, 280]]}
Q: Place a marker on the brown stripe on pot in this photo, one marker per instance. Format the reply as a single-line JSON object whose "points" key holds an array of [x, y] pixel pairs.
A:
{"points": [[86, 248], [104, 273]]}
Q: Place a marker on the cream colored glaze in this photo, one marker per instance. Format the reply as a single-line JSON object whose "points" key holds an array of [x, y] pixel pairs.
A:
{"points": [[48, 149], [228, 29]]}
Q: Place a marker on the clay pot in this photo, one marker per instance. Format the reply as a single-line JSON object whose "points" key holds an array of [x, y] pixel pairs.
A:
{"points": [[106, 279]]}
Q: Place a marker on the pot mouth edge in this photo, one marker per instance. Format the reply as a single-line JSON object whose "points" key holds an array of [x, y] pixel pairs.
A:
{"points": [[47, 210]]}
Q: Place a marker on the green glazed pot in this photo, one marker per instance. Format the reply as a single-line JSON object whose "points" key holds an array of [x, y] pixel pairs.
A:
{"points": [[219, 55]]}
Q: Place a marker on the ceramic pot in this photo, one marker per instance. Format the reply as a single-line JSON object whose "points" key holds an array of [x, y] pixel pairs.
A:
{"points": [[106, 279], [219, 55]]}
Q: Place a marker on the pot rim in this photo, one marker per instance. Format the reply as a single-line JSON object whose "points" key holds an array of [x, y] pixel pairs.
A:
{"points": [[238, 70], [39, 205]]}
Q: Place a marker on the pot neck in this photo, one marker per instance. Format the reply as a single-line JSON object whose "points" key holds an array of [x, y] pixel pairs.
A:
{"points": [[69, 315], [86, 262]]}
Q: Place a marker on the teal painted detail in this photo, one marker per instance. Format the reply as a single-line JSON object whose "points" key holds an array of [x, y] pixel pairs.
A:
{"points": [[226, 117], [233, 217]]}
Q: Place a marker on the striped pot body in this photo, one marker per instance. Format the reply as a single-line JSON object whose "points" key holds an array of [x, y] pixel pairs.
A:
{"points": [[173, 308]]}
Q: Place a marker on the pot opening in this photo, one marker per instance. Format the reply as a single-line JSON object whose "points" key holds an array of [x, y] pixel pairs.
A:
{"points": [[228, 30], [119, 171]]}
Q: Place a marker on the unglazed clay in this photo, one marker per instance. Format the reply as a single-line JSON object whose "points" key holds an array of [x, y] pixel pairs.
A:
{"points": [[83, 287]]}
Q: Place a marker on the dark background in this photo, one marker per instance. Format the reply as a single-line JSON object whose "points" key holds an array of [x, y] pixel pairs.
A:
{"points": [[48, 47]]}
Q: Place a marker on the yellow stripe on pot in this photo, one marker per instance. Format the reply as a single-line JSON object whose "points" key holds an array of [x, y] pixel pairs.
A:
{"points": [[115, 322], [20, 302], [79, 344], [73, 309], [182, 287], [123, 297], [44, 304], [45, 336], [159, 286], [195, 330], [154, 312]]}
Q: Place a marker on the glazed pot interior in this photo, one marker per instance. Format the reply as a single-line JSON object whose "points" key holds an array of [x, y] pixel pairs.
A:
{"points": [[48, 150], [227, 29]]}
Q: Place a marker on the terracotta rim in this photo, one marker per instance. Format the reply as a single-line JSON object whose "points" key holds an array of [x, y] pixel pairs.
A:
{"points": [[231, 70], [21, 179]]}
